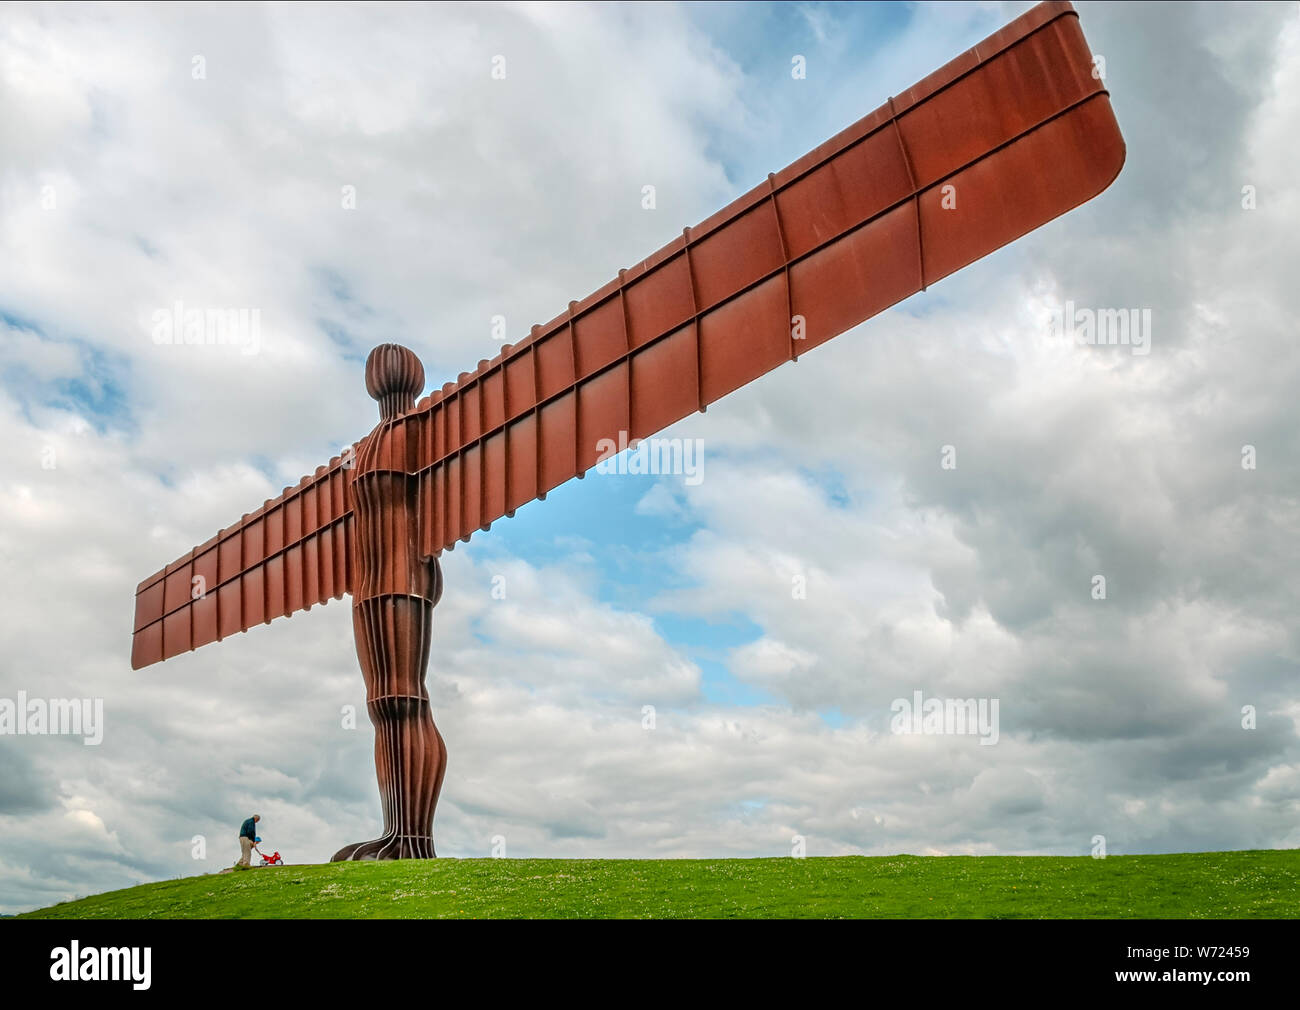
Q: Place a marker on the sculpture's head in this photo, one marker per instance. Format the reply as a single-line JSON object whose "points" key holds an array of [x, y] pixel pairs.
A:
{"points": [[394, 377]]}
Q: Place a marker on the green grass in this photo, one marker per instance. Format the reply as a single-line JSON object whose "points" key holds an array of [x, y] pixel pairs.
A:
{"points": [[1260, 884]]}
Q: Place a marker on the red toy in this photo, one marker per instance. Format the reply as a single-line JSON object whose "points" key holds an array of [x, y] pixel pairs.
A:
{"points": [[272, 860]]}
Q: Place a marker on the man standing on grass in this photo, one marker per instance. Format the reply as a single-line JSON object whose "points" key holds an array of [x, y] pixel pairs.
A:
{"points": [[247, 836]]}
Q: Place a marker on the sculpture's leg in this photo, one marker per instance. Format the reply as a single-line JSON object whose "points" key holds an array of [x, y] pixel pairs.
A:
{"points": [[393, 635]]}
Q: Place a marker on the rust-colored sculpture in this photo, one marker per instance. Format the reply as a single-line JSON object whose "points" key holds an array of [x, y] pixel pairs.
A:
{"points": [[393, 597], [1003, 139]]}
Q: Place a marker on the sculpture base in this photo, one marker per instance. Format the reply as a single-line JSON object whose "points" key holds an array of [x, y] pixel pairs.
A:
{"points": [[388, 847]]}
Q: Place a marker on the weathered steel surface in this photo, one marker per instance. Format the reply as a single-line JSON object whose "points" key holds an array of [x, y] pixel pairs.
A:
{"points": [[1011, 134]]}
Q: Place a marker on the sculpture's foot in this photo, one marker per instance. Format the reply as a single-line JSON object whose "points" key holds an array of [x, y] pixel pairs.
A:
{"points": [[388, 847], [351, 851]]}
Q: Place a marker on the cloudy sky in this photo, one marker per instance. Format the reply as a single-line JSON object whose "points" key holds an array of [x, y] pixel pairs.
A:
{"points": [[150, 156]]}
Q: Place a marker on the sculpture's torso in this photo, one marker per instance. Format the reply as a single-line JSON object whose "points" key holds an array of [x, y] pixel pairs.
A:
{"points": [[386, 548]]}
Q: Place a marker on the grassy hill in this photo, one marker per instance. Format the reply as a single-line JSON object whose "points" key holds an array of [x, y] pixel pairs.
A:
{"points": [[1259, 884]]}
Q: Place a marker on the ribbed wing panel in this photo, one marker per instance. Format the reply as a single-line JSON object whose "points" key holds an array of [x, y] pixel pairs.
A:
{"points": [[292, 553], [1003, 139]]}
